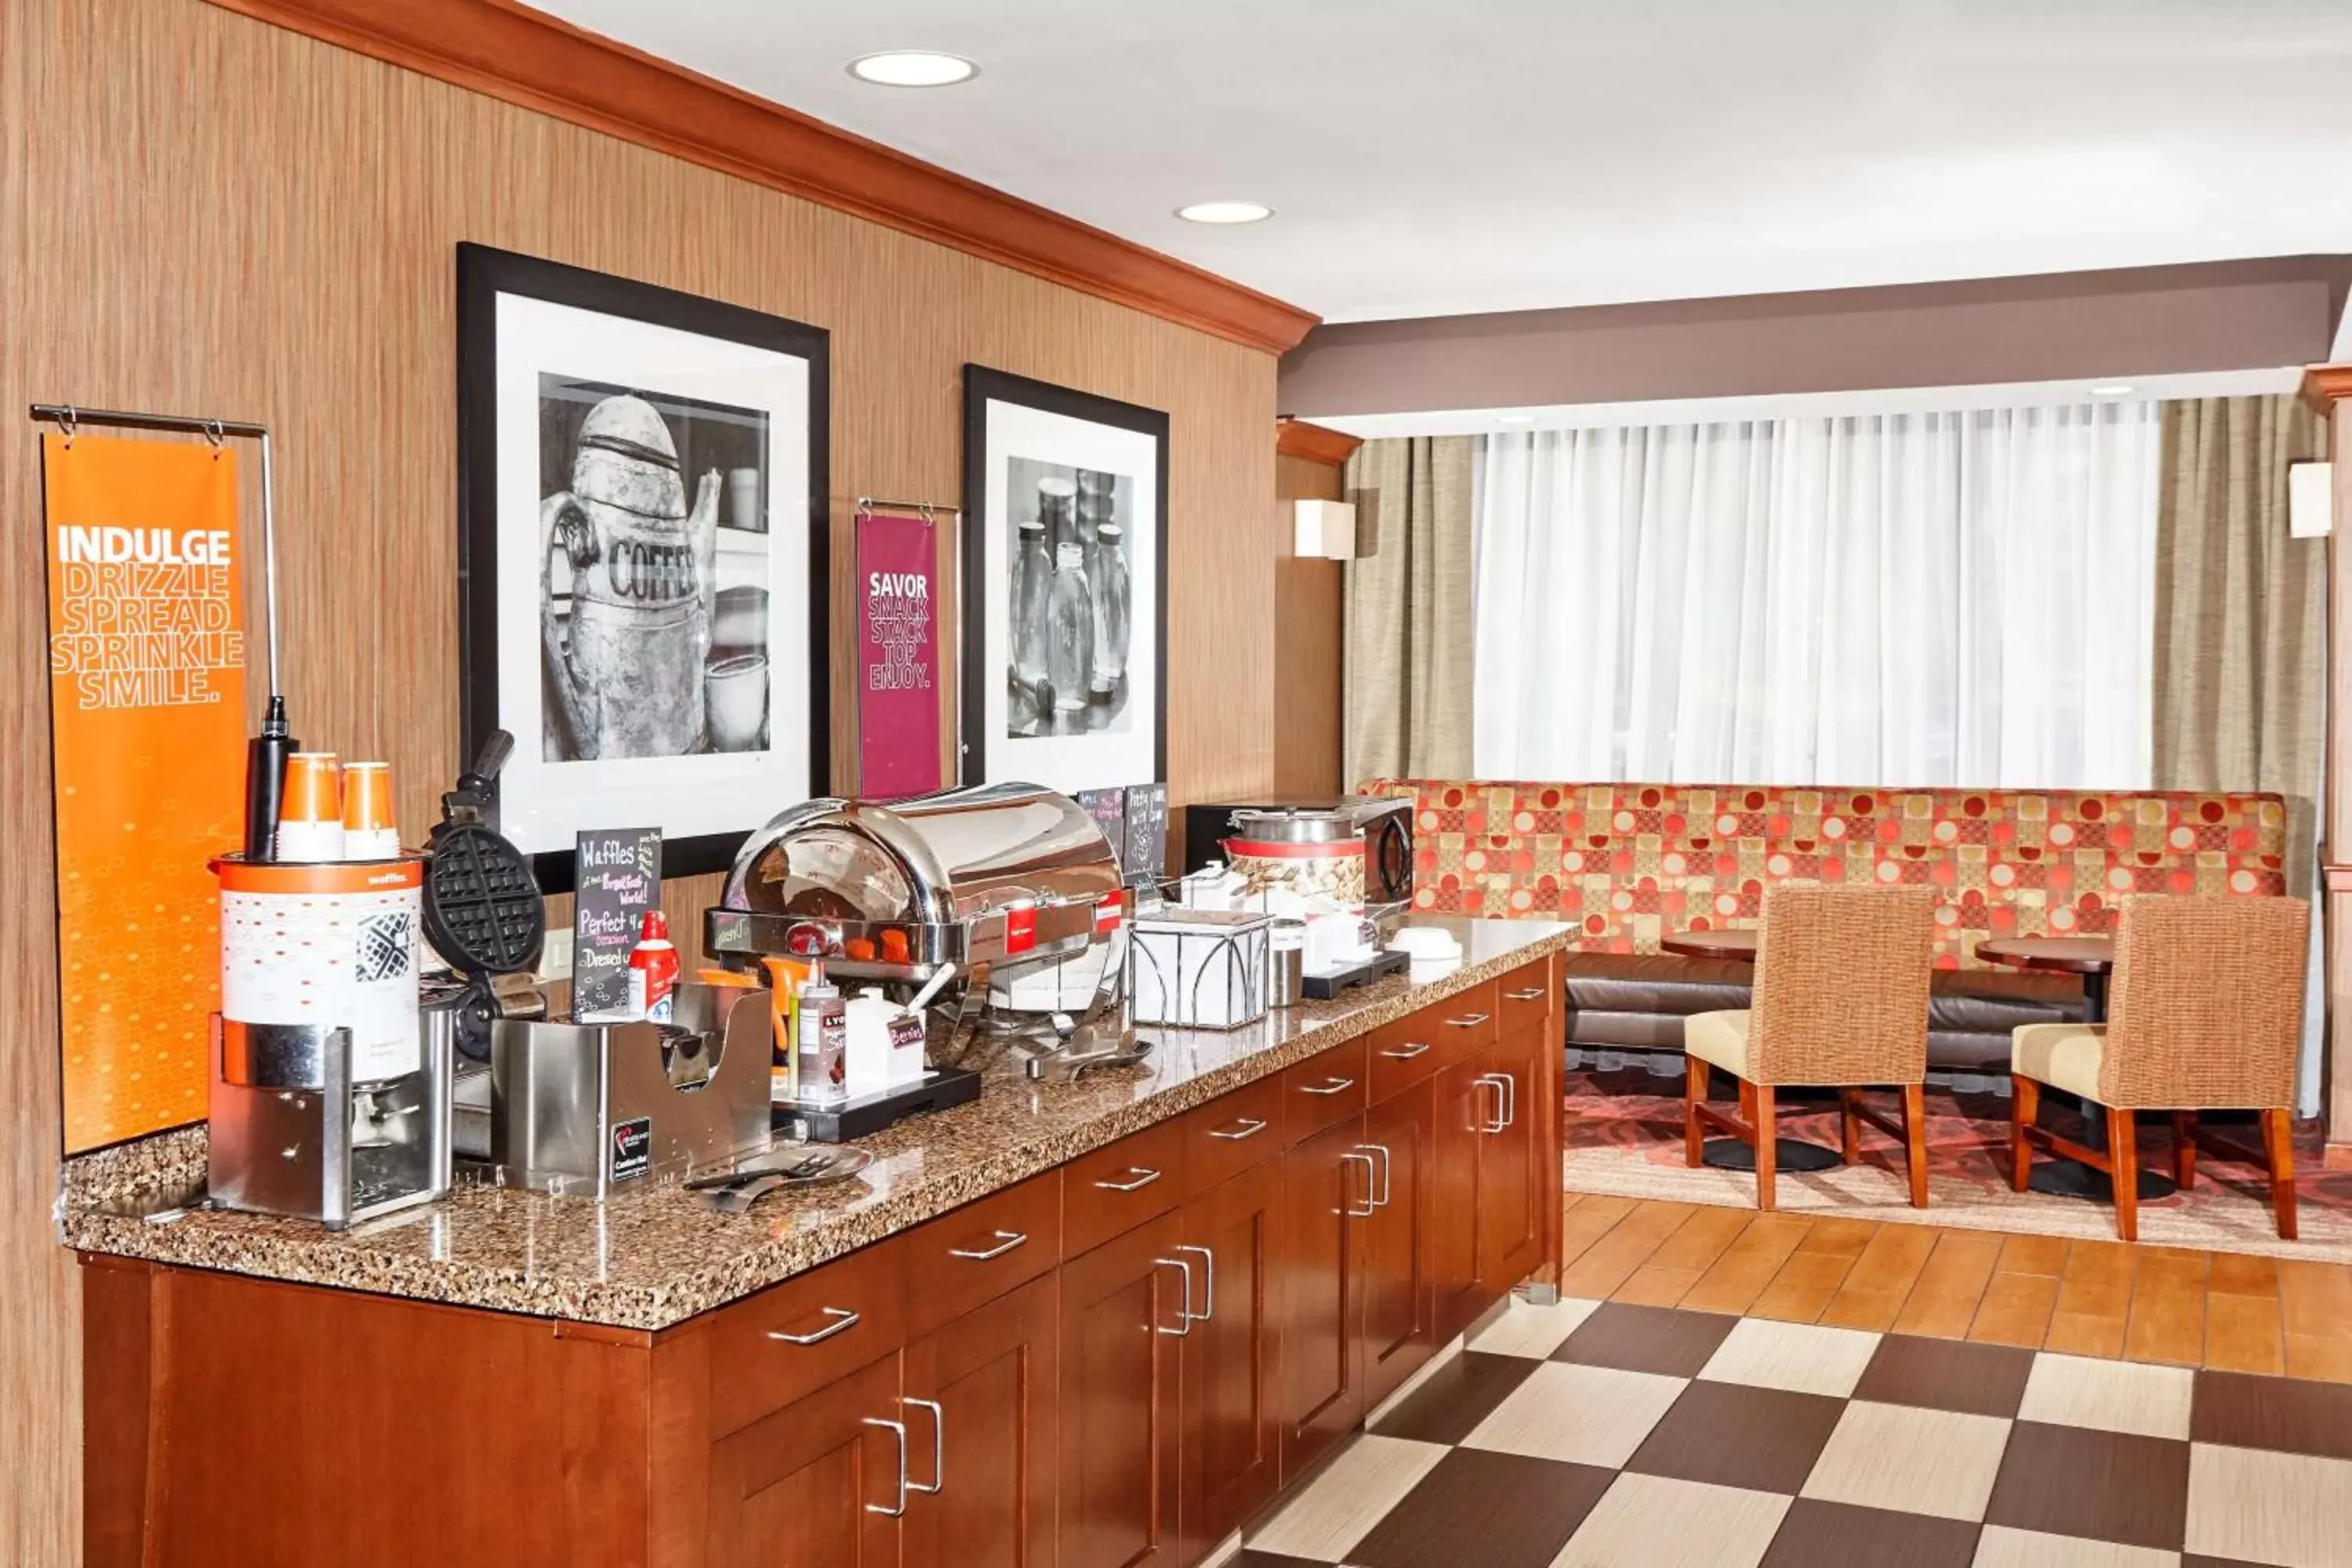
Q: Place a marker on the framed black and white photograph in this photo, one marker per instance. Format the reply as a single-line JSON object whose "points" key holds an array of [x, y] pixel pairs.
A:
{"points": [[642, 557], [1066, 585]]}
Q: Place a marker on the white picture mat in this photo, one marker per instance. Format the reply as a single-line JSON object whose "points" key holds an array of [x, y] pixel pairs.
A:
{"points": [[545, 804], [1070, 763]]}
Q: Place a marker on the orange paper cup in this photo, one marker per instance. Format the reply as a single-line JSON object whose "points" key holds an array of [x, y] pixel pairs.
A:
{"points": [[367, 798], [314, 789]]}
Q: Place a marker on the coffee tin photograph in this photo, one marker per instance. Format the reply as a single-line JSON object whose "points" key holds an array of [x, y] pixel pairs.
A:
{"points": [[642, 557]]}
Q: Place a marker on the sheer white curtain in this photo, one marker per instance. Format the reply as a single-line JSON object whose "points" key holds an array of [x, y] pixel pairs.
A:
{"points": [[1962, 598]]}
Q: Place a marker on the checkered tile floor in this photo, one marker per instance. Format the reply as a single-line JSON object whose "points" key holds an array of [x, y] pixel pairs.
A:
{"points": [[1604, 1435]]}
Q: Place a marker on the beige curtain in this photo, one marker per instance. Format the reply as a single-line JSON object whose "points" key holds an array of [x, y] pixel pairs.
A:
{"points": [[1407, 664], [2240, 611]]}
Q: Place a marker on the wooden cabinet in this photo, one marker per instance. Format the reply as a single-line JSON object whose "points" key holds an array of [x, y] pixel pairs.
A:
{"points": [[1328, 1184], [1399, 1329], [821, 1483], [1512, 1168], [1121, 1340], [981, 1404], [1459, 1117], [1230, 1431]]}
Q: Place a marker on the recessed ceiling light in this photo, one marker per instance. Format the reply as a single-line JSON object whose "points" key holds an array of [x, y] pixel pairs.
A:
{"points": [[1225, 212], [2114, 389], [913, 68], [1515, 418]]}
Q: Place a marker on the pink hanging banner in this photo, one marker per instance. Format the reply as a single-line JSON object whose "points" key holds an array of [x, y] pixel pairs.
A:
{"points": [[897, 656]]}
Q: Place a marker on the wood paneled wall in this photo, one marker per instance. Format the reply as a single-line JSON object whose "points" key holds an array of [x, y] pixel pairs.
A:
{"points": [[1308, 638], [203, 214]]}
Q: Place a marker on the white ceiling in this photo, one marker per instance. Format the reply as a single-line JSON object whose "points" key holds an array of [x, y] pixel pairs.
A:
{"points": [[1426, 158]]}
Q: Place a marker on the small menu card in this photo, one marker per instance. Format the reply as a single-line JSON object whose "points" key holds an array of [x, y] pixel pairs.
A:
{"points": [[1108, 808], [619, 880], [1146, 858]]}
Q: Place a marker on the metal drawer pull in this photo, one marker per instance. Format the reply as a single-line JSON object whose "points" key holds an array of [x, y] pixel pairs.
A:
{"points": [[1330, 1086], [1491, 1081], [1532, 994], [939, 1447], [1381, 1149], [1510, 1098], [843, 1320], [1185, 1316], [1469, 1022], [1006, 1240], [1143, 1176], [1248, 1127], [1369, 1207], [1405, 1053], [1208, 1283], [898, 1430]]}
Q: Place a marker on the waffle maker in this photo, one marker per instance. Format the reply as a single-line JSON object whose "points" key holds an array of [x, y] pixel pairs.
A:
{"points": [[482, 908]]}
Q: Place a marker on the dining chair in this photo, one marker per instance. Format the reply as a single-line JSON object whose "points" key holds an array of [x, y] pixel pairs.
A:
{"points": [[1840, 1001], [2205, 1013]]}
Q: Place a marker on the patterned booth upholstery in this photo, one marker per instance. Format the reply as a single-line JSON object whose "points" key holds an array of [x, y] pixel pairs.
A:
{"points": [[1632, 862]]}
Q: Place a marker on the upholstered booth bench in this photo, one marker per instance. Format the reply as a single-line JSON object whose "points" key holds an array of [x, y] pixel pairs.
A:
{"points": [[1630, 863]]}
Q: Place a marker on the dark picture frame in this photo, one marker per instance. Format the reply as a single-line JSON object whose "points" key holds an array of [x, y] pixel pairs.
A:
{"points": [[703, 434], [983, 676]]}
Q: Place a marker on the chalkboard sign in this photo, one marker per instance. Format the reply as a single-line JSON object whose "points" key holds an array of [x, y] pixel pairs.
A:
{"points": [[1108, 808], [619, 880], [1147, 833]]}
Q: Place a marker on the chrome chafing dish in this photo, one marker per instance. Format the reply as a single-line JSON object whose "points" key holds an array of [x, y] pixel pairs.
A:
{"points": [[931, 897]]}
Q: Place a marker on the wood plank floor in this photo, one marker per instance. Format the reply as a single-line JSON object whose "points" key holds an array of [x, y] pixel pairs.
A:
{"points": [[2221, 1310]]}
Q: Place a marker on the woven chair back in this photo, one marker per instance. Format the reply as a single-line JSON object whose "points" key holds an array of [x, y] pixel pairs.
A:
{"points": [[1842, 986], [2206, 1009]]}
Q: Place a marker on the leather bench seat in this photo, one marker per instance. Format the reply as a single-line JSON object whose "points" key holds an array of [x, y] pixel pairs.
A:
{"points": [[1638, 1002]]}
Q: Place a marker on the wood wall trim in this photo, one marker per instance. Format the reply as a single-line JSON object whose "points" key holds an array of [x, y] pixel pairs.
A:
{"points": [[1316, 443], [501, 48], [2324, 385]]}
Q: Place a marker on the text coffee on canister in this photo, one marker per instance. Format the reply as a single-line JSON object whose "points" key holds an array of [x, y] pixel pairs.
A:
{"points": [[332, 946]]}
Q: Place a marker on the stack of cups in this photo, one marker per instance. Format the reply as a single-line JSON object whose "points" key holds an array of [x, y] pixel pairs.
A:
{"points": [[368, 830], [311, 822]]}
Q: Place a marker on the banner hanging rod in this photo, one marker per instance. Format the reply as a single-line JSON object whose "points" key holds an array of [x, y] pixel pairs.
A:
{"points": [[68, 418], [923, 508]]}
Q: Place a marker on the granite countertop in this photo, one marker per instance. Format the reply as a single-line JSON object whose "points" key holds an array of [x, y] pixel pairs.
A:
{"points": [[653, 1258]]}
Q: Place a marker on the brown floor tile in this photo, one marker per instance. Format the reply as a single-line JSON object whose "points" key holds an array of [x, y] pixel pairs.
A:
{"points": [[1457, 1396], [1731, 1435], [2316, 1300], [1980, 1380], [1944, 1302], [1839, 1237], [2093, 1300], [2244, 1274], [2273, 1413], [2327, 1359], [1817, 1532], [2243, 1333], [1501, 1509], [1653, 1286], [2106, 1486], [1747, 1265], [1646, 1339], [2191, 1560], [1805, 1286], [2044, 1255], [2167, 1321], [2015, 1310], [1249, 1559], [1873, 1293], [1604, 1265], [1702, 1239], [1588, 1222]]}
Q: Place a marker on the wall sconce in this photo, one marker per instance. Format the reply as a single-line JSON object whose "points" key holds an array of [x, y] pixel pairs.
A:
{"points": [[1325, 530], [2310, 500]]}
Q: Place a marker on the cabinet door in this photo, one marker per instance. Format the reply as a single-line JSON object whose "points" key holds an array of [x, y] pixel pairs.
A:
{"points": [[980, 1409], [1231, 1433], [807, 1486], [1399, 1333], [1326, 1190], [1464, 1107], [1120, 1324], [1511, 1167]]}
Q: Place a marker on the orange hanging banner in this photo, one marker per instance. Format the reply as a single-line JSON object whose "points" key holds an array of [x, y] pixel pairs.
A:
{"points": [[147, 730]]}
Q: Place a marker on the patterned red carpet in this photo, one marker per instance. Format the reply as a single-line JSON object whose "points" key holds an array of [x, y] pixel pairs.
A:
{"points": [[1623, 1135]]}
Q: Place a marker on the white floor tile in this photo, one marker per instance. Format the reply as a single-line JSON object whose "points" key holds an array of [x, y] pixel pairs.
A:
{"points": [[1936, 1462], [1583, 1415], [1655, 1522], [1799, 1357], [2291, 1509], [1343, 1503], [1537, 1332], [2000, 1547], [2110, 1395]]}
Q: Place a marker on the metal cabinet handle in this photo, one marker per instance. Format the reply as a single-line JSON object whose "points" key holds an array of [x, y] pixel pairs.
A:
{"points": [[1532, 994], [1406, 1052], [939, 1447], [1381, 1149], [1208, 1282], [1185, 1316], [1143, 1176], [1470, 1021], [1006, 1240], [1329, 1086], [898, 1430], [1350, 1157], [1501, 1086], [1246, 1127], [843, 1320], [1510, 1098]]}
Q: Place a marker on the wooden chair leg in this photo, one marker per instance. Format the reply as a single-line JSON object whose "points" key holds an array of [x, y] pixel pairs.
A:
{"points": [[1768, 1146], [2123, 1153], [2024, 1106], [2278, 1142], [1849, 1130], [1915, 1140], [2184, 1149], [1693, 1095]]}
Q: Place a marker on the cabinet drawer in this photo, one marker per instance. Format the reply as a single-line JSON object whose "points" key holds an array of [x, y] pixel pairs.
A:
{"points": [[1408, 1051], [1231, 1133], [1323, 1091], [1470, 1022], [1113, 1190], [982, 1251], [793, 1339], [1525, 997]]}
